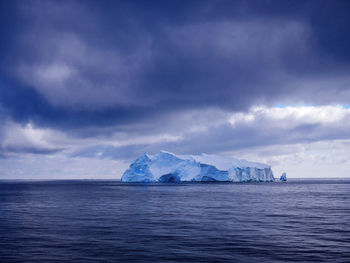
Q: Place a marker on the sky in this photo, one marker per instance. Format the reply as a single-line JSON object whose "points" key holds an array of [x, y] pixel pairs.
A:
{"points": [[88, 86]]}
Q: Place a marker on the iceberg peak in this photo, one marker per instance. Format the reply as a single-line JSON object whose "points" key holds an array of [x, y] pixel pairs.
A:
{"points": [[168, 167]]}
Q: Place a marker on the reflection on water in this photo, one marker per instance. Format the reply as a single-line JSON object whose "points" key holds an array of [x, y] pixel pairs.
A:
{"points": [[109, 221]]}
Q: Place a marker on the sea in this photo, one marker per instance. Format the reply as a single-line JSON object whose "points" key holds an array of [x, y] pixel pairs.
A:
{"points": [[302, 220]]}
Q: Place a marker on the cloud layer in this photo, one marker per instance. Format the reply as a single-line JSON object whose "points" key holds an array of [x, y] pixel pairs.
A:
{"points": [[110, 80]]}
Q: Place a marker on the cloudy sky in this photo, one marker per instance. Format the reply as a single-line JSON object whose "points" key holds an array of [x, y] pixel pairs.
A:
{"points": [[87, 86]]}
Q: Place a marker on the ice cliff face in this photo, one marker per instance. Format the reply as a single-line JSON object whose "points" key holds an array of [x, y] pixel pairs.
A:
{"points": [[168, 167]]}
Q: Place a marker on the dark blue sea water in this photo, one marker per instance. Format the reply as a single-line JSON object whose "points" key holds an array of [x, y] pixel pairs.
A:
{"points": [[109, 221]]}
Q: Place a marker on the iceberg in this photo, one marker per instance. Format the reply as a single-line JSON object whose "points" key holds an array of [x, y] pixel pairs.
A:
{"points": [[168, 167], [283, 177]]}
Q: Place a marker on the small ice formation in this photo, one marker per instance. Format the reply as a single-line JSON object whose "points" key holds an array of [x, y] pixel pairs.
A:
{"points": [[283, 177], [167, 167]]}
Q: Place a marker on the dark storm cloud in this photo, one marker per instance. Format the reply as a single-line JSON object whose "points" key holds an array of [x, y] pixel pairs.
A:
{"points": [[23, 104], [32, 150], [96, 67]]}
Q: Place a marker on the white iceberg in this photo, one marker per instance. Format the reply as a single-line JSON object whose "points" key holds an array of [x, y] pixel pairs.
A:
{"points": [[283, 177], [168, 167]]}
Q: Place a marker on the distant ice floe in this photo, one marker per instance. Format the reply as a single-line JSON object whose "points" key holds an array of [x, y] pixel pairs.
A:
{"points": [[283, 177]]}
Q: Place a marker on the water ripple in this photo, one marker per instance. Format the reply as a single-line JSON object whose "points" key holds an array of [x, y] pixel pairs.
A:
{"points": [[107, 221]]}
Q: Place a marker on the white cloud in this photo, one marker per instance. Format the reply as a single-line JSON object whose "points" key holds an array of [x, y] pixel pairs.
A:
{"points": [[51, 74], [28, 136], [293, 115]]}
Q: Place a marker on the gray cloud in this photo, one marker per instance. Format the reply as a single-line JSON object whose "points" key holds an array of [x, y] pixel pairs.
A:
{"points": [[260, 127], [111, 80]]}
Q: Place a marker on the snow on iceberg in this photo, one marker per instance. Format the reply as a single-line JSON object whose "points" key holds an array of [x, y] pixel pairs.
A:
{"points": [[168, 167]]}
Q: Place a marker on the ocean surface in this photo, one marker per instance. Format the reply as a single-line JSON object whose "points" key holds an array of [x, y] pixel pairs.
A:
{"points": [[109, 221]]}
